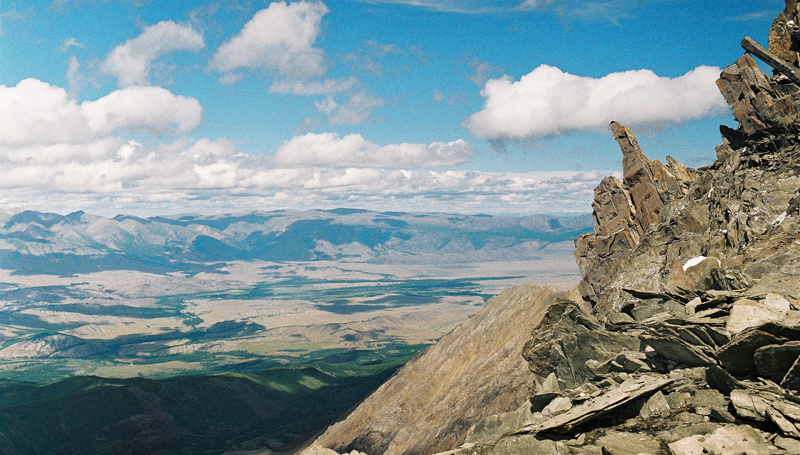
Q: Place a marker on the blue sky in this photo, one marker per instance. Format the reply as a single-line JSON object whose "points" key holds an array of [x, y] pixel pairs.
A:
{"points": [[149, 106]]}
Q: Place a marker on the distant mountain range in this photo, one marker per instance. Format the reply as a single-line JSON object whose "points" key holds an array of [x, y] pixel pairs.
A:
{"points": [[48, 243]]}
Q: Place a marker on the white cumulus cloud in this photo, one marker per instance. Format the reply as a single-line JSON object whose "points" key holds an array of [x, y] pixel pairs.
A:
{"points": [[112, 176], [131, 61], [151, 110], [352, 150], [279, 38], [549, 102], [35, 112]]}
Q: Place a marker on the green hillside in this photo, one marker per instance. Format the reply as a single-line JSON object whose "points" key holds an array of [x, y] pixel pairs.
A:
{"points": [[276, 409]]}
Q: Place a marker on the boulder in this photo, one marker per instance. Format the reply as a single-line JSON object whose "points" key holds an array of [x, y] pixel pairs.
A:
{"points": [[566, 339], [774, 361], [738, 356], [737, 439], [492, 428], [748, 313]]}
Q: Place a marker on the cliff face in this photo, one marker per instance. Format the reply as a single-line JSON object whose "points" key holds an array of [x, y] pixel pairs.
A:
{"points": [[473, 372], [687, 337]]}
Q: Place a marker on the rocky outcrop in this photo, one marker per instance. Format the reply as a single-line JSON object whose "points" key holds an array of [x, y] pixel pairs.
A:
{"points": [[692, 345], [473, 372], [688, 338], [623, 211], [784, 36]]}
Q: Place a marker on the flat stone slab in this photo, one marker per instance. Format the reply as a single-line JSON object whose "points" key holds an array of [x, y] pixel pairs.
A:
{"points": [[679, 351], [621, 395]]}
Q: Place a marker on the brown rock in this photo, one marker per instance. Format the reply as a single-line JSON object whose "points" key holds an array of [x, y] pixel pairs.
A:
{"points": [[783, 34], [756, 103], [473, 372], [623, 211]]}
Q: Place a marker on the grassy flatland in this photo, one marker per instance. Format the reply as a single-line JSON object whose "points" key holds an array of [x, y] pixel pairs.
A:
{"points": [[256, 315]]}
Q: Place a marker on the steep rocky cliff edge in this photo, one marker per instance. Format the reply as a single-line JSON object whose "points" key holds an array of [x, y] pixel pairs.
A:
{"points": [[685, 338]]}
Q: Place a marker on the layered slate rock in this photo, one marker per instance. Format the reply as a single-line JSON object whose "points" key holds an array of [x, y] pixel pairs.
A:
{"points": [[757, 103], [623, 211], [784, 36]]}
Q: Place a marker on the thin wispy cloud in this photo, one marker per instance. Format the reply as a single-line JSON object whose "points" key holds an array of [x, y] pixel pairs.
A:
{"points": [[132, 61], [586, 10], [754, 16], [457, 6], [71, 42]]}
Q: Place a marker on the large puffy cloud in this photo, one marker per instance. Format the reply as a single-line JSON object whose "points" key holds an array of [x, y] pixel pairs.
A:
{"points": [[131, 61], [279, 38], [330, 149], [151, 110], [35, 112], [549, 102]]}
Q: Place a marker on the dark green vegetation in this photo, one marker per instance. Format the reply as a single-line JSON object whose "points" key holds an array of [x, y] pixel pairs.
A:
{"points": [[277, 409]]}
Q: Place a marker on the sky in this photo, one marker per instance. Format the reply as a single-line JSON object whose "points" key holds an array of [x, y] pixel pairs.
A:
{"points": [[152, 107]]}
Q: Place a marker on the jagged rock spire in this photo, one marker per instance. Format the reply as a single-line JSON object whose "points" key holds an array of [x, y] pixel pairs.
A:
{"points": [[623, 211]]}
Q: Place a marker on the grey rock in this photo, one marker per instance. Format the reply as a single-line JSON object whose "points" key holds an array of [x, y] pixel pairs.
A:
{"points": [[492, 428], [691, 445], [721, 415], [619, 396], [790, 445], [545, 393], [626, 443], [766, 406], [774, 361], [730, 439], [747, 313], [656, 405], [527, 444], [791, 380], [738, 355], [624, 362], [558, 406], [677, 350], [566, 339]]}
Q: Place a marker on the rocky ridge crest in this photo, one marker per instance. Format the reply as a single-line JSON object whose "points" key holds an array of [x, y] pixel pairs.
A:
{"points": [[686, 337]]}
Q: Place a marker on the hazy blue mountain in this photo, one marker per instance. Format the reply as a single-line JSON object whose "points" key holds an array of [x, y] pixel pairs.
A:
{"points": [[48, 243]]}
